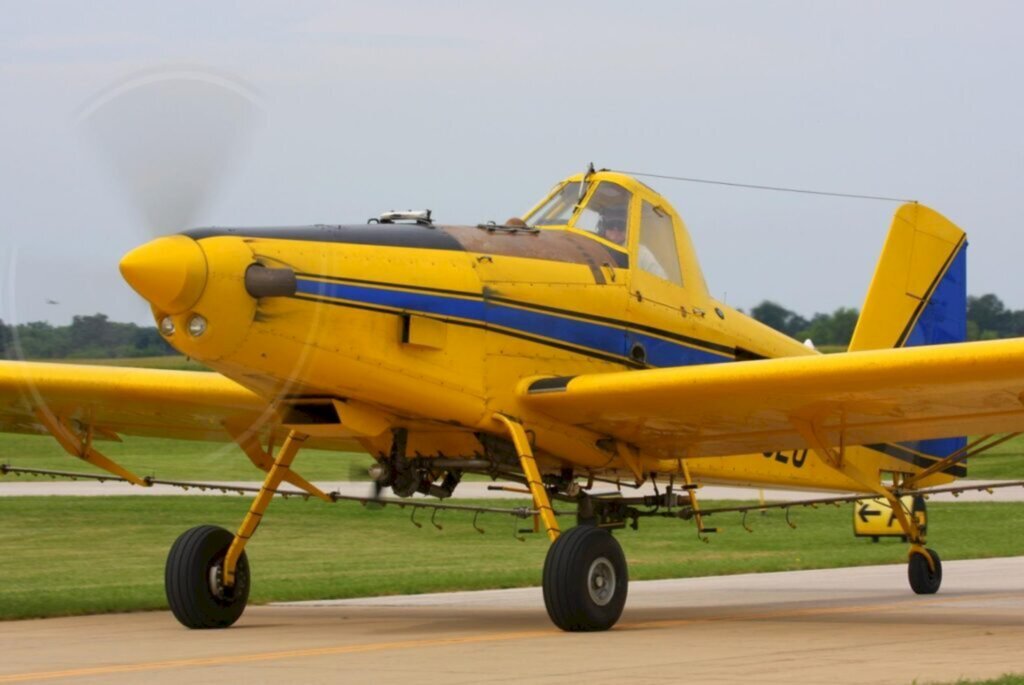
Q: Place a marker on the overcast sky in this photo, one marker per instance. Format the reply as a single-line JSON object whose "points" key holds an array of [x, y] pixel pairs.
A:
{"points": [[475, 109]]}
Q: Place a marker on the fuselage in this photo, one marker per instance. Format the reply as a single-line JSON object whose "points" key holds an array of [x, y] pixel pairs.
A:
{"points": [[436, 328]]}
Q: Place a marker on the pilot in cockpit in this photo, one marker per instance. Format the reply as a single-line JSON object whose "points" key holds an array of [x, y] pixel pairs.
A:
{"points": [[605, 214], [611, 225]]}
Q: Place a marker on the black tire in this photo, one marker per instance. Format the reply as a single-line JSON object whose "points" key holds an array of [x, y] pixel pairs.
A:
{"points": [[192, 579], [923, 580], [585, 580]]}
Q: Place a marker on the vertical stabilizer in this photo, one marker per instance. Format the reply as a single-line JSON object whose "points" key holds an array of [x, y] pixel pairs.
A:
{"points": [[918, 296]]}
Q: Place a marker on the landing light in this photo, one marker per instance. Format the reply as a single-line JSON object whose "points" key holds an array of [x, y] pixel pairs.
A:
{"points": [[196, 326], [167, 326]]}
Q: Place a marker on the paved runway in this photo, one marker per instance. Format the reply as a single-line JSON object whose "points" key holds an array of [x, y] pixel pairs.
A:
{"points": [[860, 625]]}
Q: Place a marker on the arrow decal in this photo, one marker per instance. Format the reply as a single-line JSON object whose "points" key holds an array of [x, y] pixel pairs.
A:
{"points": [[866, 511]]}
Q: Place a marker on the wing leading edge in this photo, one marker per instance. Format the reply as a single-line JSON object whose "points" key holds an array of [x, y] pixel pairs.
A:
{"points": [[191, 405], [858, 398]]}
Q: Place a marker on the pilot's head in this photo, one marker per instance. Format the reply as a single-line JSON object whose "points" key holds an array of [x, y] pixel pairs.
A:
{"points": [[612, 225]]}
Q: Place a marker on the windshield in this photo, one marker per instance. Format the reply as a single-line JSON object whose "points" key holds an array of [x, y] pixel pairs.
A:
{"points": [[606, 213], [558, 210]]}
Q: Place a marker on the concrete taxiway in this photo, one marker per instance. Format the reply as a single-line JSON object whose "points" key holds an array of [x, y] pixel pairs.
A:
{"points": [[858, 625]]}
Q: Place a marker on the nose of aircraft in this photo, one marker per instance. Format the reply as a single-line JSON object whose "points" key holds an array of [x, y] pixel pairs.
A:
{"points": [[170, 272]]}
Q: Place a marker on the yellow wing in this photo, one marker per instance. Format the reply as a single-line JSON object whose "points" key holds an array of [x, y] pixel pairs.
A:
{"points": [[108, 401], [859, 398], [79, 404], [113, 400]]}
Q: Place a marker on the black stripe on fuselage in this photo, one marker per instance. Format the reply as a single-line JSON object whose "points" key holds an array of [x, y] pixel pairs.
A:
{"points": [[407, 235], [383, 235], [385, 284]]}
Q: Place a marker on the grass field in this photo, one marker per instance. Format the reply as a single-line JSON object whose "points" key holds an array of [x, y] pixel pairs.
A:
{"points": [[1004, 462], [72, 555]]}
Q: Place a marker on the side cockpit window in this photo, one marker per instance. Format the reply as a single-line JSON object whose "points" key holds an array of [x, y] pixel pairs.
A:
{"points": [[657, 253], [606, 213]]}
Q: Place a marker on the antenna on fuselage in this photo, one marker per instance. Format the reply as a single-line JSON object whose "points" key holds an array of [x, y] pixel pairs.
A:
{"points": [[583, 185]]}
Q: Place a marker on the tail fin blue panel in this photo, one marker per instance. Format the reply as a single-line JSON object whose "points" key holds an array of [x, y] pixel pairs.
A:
{"points": [[943, 320]]}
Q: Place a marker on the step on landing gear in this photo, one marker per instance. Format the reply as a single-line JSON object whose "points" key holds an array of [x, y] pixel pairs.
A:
{"points": [[585, 580]]}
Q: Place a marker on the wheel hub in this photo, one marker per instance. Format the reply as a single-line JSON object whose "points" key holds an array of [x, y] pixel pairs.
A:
{"points": [[601, 581], [214, 577]]}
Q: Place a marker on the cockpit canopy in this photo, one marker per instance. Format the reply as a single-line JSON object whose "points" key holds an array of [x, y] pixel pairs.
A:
{"points": [[626, 215], [603, 211]]}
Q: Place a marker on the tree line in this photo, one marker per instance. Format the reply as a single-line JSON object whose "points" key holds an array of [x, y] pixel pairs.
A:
{"points": [[987, 319], [96, 337], [87, 337]]}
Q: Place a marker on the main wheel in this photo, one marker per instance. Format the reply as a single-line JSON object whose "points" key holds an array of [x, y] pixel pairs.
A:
{"points": [[585, 580], [923, 580], [194, 582]]}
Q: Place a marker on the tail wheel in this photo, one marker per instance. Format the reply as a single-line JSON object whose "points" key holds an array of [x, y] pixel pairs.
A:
{"points": [[193, 579], [923, 579], [585, 580]]}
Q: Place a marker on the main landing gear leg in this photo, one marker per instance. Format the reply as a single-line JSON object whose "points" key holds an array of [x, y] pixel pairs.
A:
{"points": [[585, 577], [207, 572], [924, 567]]}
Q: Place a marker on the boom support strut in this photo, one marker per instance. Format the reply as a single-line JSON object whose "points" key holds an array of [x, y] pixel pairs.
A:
{"points": [[83, 449], [248, 441]]}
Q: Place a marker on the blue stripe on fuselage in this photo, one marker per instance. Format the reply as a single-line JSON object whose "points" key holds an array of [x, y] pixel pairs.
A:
{"points": [[608, 339], [664, 353], [440, 305]]}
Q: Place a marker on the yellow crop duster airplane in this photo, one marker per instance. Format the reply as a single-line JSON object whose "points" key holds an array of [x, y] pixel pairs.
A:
{"points": [[574, 346]]}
